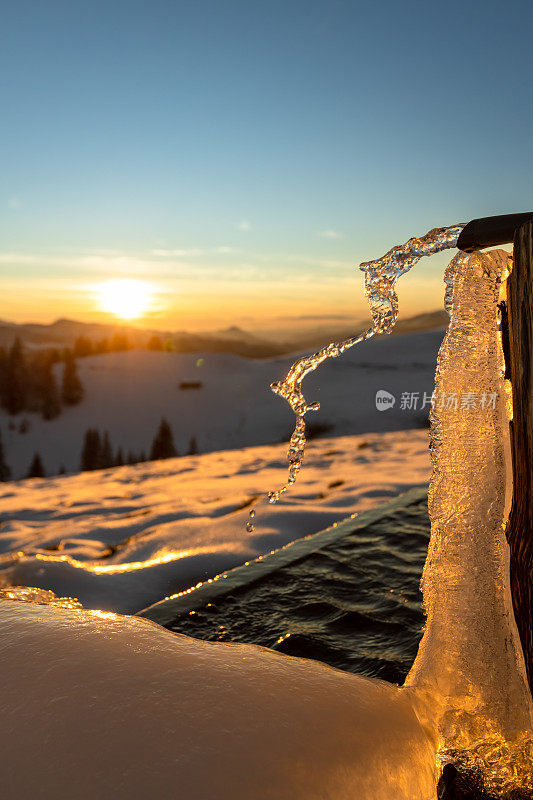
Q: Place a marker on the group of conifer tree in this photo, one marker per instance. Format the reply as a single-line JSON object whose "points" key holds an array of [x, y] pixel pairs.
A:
{"points": [[36, 469], [27, 380], [85, 346], [98, 453], [5, 472], [28, 383]]}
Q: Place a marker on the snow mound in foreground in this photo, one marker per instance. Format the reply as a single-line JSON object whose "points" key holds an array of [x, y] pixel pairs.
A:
{"points": [[99, 705]]}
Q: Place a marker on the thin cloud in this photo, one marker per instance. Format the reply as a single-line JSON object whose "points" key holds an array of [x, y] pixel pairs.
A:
{"points": [[179, 253], [329, 233], [192, 252], [317, 317], [244, 225], [22, 258], [293, 258]]}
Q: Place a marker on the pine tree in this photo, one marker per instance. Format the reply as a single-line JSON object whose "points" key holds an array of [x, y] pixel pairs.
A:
{"points": [[97, 449], [5, 472], [36, 469], [91, 454], [119, 458], [102, 346], [71, 388], [193, 447], [163, 443], [155, 342], [119, 342], [15, 389], [50, 405], [62, 470], [83, 347], [106, 455], [55, 355], [131, 458]]}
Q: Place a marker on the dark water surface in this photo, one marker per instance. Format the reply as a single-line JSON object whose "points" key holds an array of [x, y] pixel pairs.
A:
{"points": [[355, 605]]}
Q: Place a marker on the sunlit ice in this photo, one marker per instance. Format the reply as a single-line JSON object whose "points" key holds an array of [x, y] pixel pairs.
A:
{"points": [[125, 297]]}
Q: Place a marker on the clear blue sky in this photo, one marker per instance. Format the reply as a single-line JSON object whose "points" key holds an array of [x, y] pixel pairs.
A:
{"points": [[248, 151]]}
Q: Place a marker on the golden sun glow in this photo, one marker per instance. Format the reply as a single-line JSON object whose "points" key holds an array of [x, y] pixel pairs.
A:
{"points": [[125, 297]]}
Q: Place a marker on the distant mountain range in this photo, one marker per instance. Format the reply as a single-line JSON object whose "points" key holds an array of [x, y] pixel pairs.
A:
{"points": [[64, 332]]}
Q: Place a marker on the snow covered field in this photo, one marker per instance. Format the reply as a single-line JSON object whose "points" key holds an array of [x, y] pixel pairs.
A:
{"points": [[123, 538], [127, 393]]}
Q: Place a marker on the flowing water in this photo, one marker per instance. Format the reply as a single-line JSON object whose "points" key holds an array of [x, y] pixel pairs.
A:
{"points": [[380, 279], [354, 604]]}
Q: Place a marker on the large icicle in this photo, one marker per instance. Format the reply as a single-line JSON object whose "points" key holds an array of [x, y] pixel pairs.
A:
{"points": [[470, 660]]}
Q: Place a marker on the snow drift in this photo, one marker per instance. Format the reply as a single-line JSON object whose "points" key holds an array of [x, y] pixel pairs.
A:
{"points": [[98, 705]]}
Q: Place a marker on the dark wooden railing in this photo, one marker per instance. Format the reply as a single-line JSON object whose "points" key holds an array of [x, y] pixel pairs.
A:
{"points": [[520, 526]]}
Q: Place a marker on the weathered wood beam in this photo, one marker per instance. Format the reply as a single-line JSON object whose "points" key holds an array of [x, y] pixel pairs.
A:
{"points": [[490, 231], [520, 526]]}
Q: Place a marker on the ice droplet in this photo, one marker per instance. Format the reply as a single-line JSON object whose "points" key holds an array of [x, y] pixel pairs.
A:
{"points": [[250, 527]]}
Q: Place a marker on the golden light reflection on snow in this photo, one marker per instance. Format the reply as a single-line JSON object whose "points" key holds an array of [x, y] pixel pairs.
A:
{"points": [[115, 569], [109, 615], [45, 597]]}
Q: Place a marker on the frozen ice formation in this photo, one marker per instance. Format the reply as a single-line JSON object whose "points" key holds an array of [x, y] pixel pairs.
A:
{"points": [[470, 659]]}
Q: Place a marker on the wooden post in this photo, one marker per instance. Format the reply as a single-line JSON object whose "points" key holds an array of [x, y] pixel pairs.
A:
{"points": [[520, 527]]}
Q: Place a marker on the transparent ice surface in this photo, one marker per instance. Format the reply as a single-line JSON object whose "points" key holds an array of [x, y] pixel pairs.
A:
{"points": [[470, 660]]}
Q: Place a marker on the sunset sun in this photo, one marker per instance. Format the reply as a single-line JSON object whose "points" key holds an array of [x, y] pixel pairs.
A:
{"points": [[124, 297]]}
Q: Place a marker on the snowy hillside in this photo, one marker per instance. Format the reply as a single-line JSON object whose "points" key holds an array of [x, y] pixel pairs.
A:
{"points": [[123, 538], [127, 393]]}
